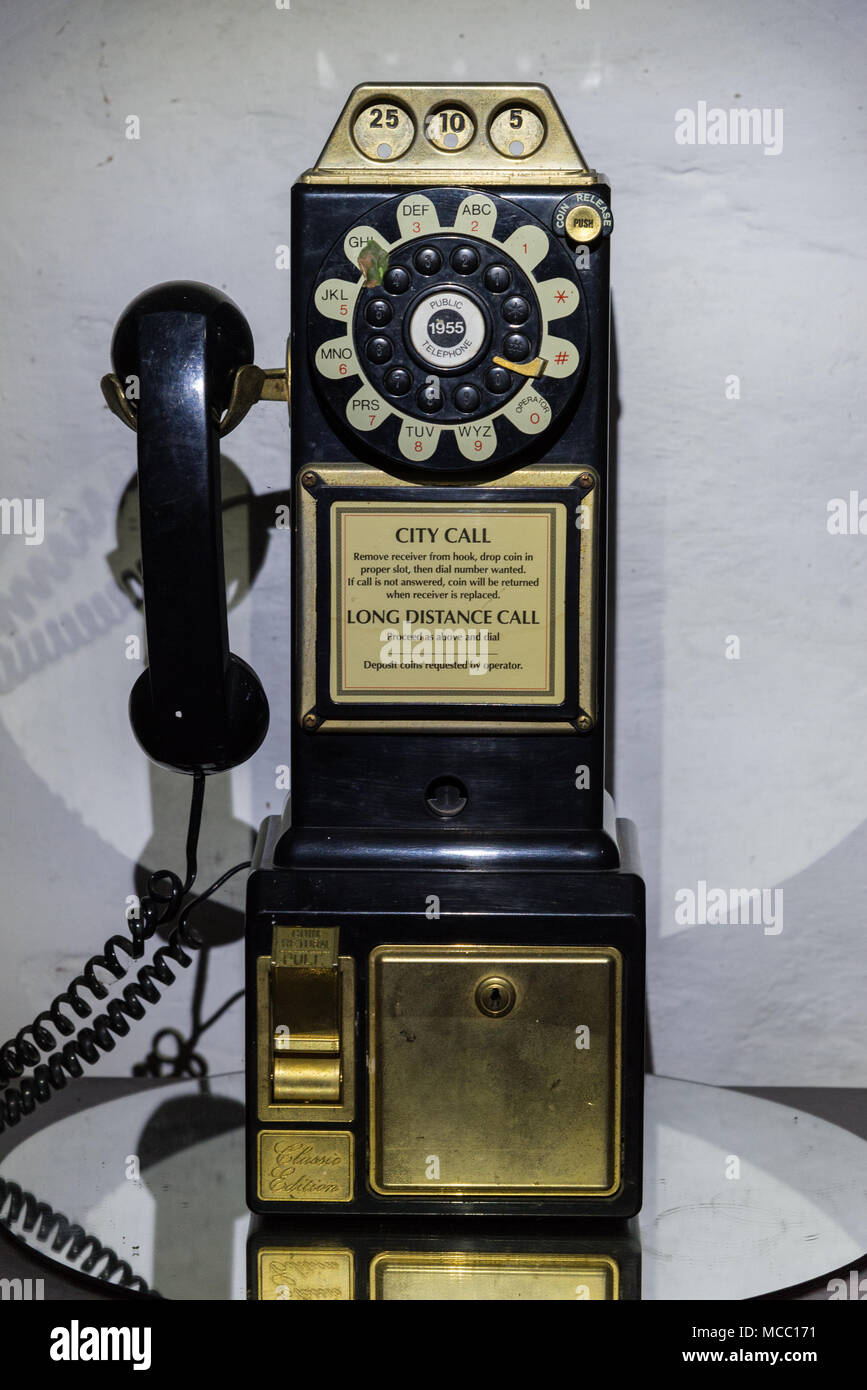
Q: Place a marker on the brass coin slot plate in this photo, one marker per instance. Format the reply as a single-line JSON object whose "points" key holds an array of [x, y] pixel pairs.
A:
{"points": [[524, 1104], [316, 1058], [462, 1275], [363, 148]]}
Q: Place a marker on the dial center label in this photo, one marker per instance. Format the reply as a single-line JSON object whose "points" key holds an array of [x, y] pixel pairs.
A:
{"points": [[447, 329]]}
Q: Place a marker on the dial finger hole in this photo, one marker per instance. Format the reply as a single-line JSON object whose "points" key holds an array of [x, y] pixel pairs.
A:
{"points": [[498, 278], [396, 280], [516, 347], [398, 381], [379, 350]]}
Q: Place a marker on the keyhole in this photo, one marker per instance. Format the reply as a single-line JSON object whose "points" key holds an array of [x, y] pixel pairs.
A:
{"points": [[495, 996]]}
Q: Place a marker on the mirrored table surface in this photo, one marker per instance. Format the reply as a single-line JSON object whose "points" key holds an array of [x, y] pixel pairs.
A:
{"points": [[743, 1197]]}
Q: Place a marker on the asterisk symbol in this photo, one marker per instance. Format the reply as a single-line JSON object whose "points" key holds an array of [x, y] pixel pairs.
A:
{"points": [[561, 296]]}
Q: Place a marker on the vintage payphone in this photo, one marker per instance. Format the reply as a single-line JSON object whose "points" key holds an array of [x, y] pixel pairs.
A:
{"points": [[445, 929]]}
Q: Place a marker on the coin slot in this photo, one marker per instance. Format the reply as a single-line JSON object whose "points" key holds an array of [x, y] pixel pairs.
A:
{"points": [[449, 128], [517, 131], [383, 130]]}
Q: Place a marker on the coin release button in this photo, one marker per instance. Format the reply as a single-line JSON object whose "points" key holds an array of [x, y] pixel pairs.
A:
{"points": [[583, 224], [305, 1017]]}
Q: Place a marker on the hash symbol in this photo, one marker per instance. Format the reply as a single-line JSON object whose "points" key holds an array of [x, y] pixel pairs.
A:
{"points": [[561, 358]]}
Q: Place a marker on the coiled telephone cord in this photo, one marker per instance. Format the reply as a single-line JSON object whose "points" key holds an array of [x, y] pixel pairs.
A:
{"points": [[160, 905], [100, 1262]]}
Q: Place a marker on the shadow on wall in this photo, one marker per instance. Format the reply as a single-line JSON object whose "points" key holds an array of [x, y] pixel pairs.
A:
{"points": [[807, 918]]}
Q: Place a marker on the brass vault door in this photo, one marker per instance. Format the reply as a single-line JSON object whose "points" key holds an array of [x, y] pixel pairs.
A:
{"points": [[494, 1071]]}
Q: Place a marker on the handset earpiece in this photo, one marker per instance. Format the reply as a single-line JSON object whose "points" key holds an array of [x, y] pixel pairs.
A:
{"points": [[196, 708]]}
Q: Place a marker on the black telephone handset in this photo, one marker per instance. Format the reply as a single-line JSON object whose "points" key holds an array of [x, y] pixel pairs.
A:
{"points": [[196, 707], [444, 944]]}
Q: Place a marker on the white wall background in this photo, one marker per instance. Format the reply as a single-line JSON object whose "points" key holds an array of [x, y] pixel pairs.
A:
{"points": [[727, 261]]}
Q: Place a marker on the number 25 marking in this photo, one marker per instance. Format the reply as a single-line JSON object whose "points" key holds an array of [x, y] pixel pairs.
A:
{"points": [[391, 118]]}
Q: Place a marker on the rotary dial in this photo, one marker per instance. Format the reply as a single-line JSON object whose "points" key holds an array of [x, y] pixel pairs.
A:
{"points": [[459, 340]]}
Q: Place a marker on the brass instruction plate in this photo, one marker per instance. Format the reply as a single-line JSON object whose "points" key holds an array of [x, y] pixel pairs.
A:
{"points": [[450, 603], [495, 1070], [305, 1166], [474, 612], [465, 1275]]}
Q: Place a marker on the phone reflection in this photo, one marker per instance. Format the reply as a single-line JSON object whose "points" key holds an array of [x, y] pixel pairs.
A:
{"points": [[320, 1261]]}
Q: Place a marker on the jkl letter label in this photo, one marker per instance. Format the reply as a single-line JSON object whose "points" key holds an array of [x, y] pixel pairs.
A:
{"points": [[440, 603]]}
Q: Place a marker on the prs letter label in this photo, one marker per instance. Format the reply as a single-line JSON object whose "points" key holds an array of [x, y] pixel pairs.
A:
{"points": [[441, 603]]}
